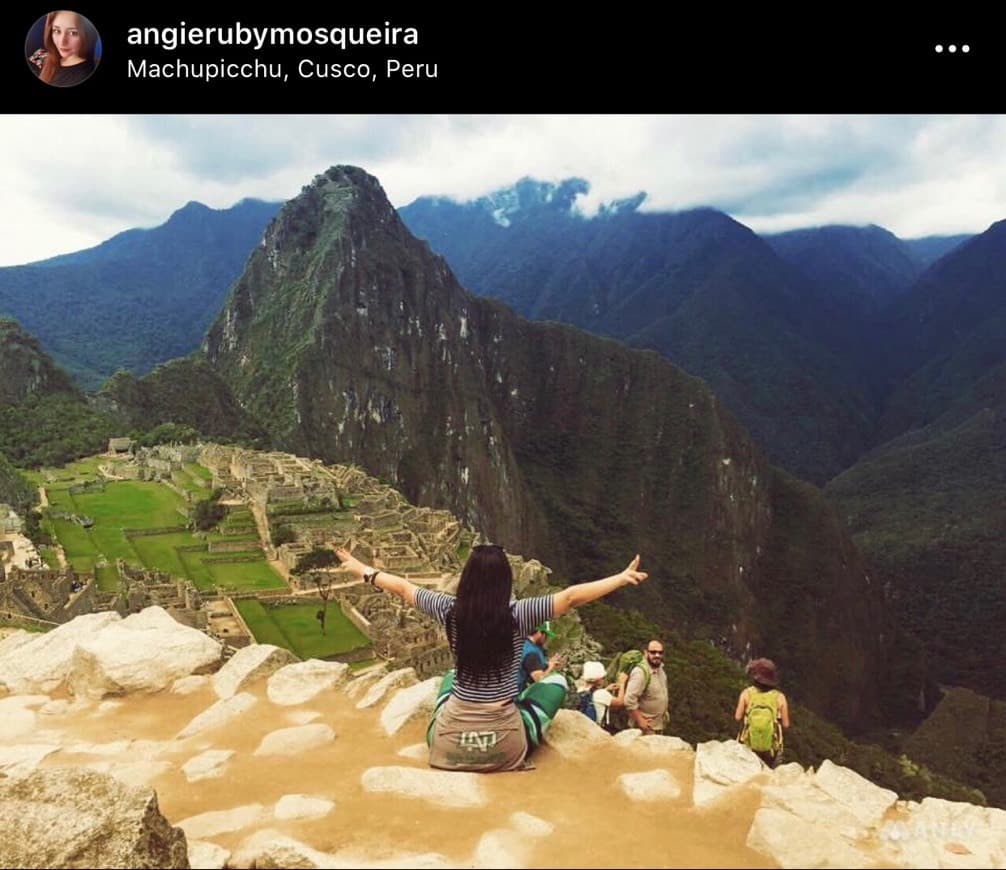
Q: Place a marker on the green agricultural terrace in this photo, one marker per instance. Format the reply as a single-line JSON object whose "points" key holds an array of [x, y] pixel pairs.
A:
{"points": [[123, 513], [296, 627]]}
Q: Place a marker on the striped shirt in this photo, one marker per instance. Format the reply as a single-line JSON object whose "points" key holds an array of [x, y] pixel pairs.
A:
{"points": [[528, 613]]}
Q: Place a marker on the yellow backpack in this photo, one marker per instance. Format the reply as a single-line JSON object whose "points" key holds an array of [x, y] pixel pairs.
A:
{"points": [[762, 731]]}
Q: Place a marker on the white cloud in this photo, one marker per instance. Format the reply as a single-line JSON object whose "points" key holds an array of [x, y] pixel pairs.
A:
{"points": [[73, 181]]}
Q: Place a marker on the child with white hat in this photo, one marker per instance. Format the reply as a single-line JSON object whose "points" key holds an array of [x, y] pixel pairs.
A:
{"points": [[594, 698]]}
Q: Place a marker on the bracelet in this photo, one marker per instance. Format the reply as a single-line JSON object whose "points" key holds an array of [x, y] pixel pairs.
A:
{"points": [[370, 577]]}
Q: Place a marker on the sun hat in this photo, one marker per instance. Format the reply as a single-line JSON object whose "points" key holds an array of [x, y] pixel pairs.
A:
{"points": [[763, 671], [592, 671]]}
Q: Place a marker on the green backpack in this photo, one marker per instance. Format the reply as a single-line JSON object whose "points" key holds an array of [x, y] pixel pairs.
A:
{"points": [[761, 728], [623, 663]]}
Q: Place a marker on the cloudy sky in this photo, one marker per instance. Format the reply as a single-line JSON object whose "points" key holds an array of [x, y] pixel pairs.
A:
{"points": [[70, 182]]}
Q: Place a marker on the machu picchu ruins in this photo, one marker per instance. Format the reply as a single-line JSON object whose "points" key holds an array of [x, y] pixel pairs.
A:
{"points": [[268, 496]]}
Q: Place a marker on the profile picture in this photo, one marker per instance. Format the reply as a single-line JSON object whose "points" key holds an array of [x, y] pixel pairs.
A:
{"points": [[63, 48]]}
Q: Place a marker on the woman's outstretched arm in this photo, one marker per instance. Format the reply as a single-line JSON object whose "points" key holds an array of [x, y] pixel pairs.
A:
{"points": [[581, 593], [404, 589]]}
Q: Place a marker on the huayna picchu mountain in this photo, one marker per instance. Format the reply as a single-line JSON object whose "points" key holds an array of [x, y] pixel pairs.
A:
{"points": [[352, 342]]}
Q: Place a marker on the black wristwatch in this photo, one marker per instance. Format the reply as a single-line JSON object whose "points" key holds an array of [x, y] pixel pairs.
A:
{"points": [[370, 577]]}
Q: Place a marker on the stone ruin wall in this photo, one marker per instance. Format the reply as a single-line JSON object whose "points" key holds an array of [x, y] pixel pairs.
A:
{"points": [[56, 595]]}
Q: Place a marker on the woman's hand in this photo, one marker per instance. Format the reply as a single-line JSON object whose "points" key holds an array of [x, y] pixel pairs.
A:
{"points": [[350, 562], [632, 575]]}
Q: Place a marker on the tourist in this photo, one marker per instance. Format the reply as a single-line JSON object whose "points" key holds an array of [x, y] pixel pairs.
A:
{"points": [[534, 664], [480, 722], [69, 51], [645, 698], [764, 712], [593, 699]]}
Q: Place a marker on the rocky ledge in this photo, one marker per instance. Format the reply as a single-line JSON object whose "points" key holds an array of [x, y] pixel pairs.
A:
{"points": [[129, 743]]}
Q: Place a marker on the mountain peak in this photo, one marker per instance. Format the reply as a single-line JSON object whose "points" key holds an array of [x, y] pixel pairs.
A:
{"points": [[529, 196]]}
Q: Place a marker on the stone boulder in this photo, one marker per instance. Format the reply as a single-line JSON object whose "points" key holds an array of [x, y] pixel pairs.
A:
{"points": [[573, 735], [57, 707], [627, 736], [866, 801], [222, 821], [71, 817], [530, 826], [791, 842], [135, 773], [408, 703], [446, 788], [14, 639], [300, 682], [42, 663], [221, 712], [302, 806], [207, 765], [945, 834], [358, 685], [188, 685], [302, 717], [204, 855], [661, 744], [20, 760], [293, 741], [501, 848], [651, 785], [510, 847], [401, 677], [145, 652], [269, 849], [247, 665], [720, 765], [16, 716], [415, 752], [814, 807]]}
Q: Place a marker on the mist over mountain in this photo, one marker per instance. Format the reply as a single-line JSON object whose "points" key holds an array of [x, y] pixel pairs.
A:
{"points": [[140, 298], [697, 286]]}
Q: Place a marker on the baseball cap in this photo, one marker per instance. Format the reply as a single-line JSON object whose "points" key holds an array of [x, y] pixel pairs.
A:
{"points": [[546, 628]]}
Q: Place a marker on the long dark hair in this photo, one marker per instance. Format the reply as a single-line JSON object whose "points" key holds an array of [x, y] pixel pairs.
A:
{"points": [[88, 40], [482, 622]]}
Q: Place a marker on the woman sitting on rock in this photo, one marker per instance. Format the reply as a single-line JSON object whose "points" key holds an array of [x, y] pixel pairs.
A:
{"points": [[479, 722]]}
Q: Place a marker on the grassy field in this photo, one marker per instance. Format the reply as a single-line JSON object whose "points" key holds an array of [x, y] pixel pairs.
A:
{"points": [[195, 470], [295, 627], [136, 504], [77, 544], [160, 552], [240, 576]]}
